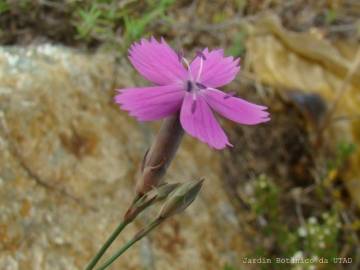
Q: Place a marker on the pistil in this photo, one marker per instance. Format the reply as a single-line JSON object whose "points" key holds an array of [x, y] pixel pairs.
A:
{"points": [[202, 58], [188, 67]]}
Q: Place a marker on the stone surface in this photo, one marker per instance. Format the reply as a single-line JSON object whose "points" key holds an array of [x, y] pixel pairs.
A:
{"points": [[68, 161]]}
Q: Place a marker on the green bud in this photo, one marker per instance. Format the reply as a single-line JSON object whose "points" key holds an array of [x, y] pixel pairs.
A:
{"points": [[179, 199], [164, 190], [156, 194]]}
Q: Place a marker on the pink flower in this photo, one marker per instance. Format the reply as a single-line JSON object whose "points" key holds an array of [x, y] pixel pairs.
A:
{"points": [[191, 90]]}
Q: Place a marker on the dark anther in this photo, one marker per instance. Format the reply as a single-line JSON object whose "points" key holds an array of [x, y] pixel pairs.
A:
{"points": [[201, 54], [229, 95], [200, 85], [180, 55], [189, 86], [193, 106]]}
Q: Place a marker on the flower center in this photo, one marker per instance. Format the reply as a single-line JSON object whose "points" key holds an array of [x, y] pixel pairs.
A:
{"points": [[193, 85], [194, 88]]}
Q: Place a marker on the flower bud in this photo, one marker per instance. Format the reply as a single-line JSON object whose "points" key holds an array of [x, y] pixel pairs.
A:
{"points": [[154, 195], [179, 199]]}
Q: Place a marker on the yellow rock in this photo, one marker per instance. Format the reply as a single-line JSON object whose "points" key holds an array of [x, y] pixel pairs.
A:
{"points": [[308, 62]]}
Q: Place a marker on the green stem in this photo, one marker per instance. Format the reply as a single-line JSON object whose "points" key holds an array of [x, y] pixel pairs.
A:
{"points": [[125, 247], [106, 245]]}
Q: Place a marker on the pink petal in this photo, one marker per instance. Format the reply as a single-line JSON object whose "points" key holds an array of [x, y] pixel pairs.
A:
{"points": [[217, 69], [199, 121], [151, 103], [236, 109], [157, 62]]}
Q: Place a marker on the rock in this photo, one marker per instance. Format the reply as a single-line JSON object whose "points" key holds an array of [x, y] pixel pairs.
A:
{"points": [[309, 62], [69, 158]]}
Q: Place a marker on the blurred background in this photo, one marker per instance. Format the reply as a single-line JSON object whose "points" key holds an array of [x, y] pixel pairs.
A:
{"points": [[69, 157]]}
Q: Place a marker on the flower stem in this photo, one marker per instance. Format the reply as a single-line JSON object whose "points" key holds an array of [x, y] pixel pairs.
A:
{"points": [[106, 245], [125, 247], [154, 167]]}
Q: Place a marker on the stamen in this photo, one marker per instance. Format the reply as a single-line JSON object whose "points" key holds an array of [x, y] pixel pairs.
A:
{"points": [[229, 95], [200, 85], [188, 67], [211, 89], [193, 106], [189, 86], [180, 55], [200, 69], [201, 55], [202, 59]]}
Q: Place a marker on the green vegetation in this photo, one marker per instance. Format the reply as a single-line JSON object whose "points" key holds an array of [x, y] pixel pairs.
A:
{"points": [[343, 152], [315, 239], [109, 23], [102, 19], [330, 16], [238, 46], [4, 6], [228, 267]]}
